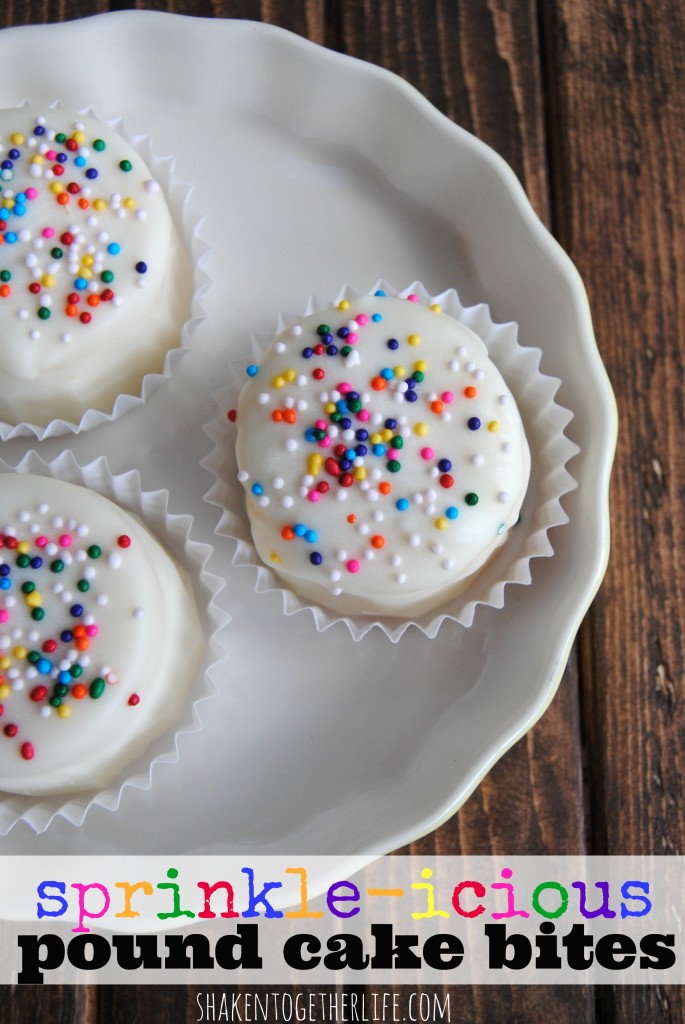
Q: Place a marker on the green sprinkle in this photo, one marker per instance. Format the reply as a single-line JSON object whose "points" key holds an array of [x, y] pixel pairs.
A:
{"points": [[99, 145], [33, 656], [126, 165], [97, 687], [75, 671], [44, 313], [57, 565], [28, 587], [38, 614], [57, 253], [394, 466], [5, 275], [83, 586], [94, 551], [106, 276], [471, 498], [23, 561]]}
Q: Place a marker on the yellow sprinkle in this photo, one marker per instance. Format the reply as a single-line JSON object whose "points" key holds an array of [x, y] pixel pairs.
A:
{"points": [[436, 307], [414, 339], [329, 407], [63, 710], [359, 473], [399, 371], [421, 365], [37, 159], [421, 429], [442, 523], [48, 281], [314, 463], [99, 205], [493, 426], [5, 662], [376, 439], [5, 691], [19, 652], [33, 600], [290, 376], [88, 261], [278, 382], [56, 188], [386, 434], [87, 273], [8, 204], [79, 137], [273, 557], [23, 547], [129, 203], [343, 304], [17, 138]]}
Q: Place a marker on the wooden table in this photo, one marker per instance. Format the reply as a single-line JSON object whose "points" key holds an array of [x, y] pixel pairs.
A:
{"points": [[584, 100]]}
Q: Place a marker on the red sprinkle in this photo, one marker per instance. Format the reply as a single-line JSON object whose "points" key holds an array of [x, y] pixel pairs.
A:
{"points": [[27, 751], [232, 414], [10, 730], [38, 693], [133, 700], [318, 373], [124, 541]]}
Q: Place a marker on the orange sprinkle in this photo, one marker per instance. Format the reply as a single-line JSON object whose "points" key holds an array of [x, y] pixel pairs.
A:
{"points": [[385, 487], [277, 415], [63, 198], [378, 541], [79, 631], [83, 644], [287, 533], [79, 691], [352, 518], [83, 203], [470, 391], [71, 310], [290, 416], [437, 406], [379, 383], [93, 300], [5, 291]]}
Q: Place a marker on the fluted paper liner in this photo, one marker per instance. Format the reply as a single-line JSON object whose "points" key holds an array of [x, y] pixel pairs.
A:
{"points": [[173, 533], [544, 421]]}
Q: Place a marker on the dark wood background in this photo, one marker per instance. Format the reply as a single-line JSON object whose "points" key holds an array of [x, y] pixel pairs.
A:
{"points": [[584, 98]]}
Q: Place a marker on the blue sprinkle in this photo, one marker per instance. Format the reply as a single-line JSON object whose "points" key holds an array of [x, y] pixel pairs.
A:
{"points": [[452, 512], [351, 454], [343, 332], [299, 530], [316, 558], [19, 210], [390, 424], [5, 583], [79, 283], [257, 489], [393, 343], [44, 666], [387, 374], [402, 504], [308, 352], [80, 161], [5, 570], [309, 434], [252, 370], [311, 536], [376, 318], [64, 677], [361, 450], [345, 423], [91, 173], [141, 267], [378, 449], [380, 294], [36, 562], [10, 237], [410, 396], [361, 434], [444, 465], [113, 248], [473, 423], [76, 610]]}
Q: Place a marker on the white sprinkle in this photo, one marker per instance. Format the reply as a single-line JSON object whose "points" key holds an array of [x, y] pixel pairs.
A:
{"points": [[503, 497], [400, 578], [243, 475], [263, 398], [278, 482], [291, 445], [477, 459], [280, 347], [414, 540], [296, 330], [287, 501]]}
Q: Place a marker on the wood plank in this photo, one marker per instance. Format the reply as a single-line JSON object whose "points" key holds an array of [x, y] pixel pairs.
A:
{"points": [[619, 149]]}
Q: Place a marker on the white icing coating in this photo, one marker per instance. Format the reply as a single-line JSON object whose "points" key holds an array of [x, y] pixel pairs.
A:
{"points": [[426, 489], [142, 637], [52, 364]]}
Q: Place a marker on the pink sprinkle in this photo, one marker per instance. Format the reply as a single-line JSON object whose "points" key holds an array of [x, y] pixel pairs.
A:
{"points": [[51, 155], [352, 338], [447, 397], [344, 388], [31, 193], [65, 540], [427, 453], [41, 542], [412, 298], [314, 495], [353, 565], [320, 424], [46, 232], [362, 320], [325, 442], [91, 630], [393, 453], [4, 615], [364, 415]]}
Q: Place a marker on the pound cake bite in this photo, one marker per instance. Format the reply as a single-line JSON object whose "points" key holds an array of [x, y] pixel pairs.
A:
{"points": [[382, 454], [99, 637], [93, 281]]}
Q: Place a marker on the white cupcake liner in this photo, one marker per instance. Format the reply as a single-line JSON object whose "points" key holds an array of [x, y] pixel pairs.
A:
{"points": [[187, 221], [544, 421], [173, 532]]}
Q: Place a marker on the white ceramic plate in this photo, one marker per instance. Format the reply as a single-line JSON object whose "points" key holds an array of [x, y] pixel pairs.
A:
{"points": [[315, 170]]}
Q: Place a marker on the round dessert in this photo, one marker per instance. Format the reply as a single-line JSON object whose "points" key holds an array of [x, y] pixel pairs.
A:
{"points": [[93, 283], [382, 455], [99, 637]]}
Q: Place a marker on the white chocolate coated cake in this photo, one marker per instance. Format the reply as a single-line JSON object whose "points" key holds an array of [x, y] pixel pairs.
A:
{"points": [[94, 287], [382, 455], [99, 637]]}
